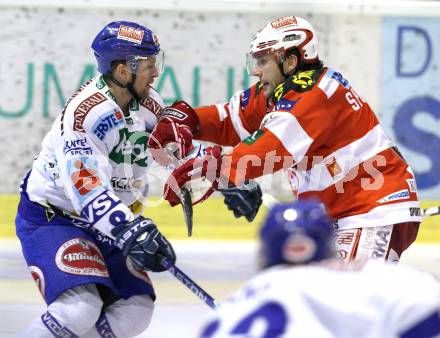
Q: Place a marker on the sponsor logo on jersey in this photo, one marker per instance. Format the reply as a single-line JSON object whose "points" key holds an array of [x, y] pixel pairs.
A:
{"points": [[254, 137], [329, 84], [83, 109], [398, 195], [279, 92], [152, 105], [268, 118], [68, 102], [77, 147], [106, 123], [338, 77], [304, 79], [83, 175], [284, 21], [124, 184], [130, 34], [332, 166], [244, 98], [412, 185], [285, 104], [52, 170], [415, 212], [131, 148], [38, 278], [102, 205], [80, 256]]}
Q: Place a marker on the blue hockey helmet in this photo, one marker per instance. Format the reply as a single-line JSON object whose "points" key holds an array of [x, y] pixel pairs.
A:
{"points": [[296, 233], [124, 40]]}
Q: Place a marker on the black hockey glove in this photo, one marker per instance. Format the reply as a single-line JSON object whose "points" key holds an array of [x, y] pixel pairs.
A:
{"points": [[144, 244], [244, 201]]}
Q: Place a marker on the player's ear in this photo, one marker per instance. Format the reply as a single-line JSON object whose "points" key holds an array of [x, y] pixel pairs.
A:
{"points": [[121, 72], [290, 64]]}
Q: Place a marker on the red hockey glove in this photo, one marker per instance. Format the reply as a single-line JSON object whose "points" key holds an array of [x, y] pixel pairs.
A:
{"points": [[195, 173], [172, 136]]}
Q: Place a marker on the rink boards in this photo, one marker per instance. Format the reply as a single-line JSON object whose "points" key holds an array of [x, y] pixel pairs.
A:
{"points": [[212, 220]]}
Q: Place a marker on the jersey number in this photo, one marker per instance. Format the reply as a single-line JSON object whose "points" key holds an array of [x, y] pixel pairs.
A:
{"points": [[353, 99], [269, 321]]}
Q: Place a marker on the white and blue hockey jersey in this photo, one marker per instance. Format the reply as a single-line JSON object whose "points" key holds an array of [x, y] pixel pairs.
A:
{"points": [[94, 160], [368, 299]]}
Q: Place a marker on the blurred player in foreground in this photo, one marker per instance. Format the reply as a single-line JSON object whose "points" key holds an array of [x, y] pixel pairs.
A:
{"points": [[307, 119], [304, 292], [79, 219]]}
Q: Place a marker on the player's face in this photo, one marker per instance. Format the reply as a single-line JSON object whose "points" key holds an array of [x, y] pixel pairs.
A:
{"points": [[146, 73], [267, 70]]}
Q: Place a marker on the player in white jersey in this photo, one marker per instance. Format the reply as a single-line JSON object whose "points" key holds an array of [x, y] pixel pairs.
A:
{"points": [[304, 292], [79, 219]]}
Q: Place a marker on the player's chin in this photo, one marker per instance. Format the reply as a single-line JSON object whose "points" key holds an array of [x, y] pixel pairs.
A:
{"points": [[268, 91], [145, 93]]}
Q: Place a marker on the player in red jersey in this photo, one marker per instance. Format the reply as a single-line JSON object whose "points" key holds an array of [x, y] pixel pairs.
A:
{"points": [[305, 118]]}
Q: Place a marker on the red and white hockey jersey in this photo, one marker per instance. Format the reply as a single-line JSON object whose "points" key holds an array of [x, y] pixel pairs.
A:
{"points": [[328, 139]]}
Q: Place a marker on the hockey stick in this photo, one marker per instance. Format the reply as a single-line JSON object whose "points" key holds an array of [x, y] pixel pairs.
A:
{"points": [[185, 197], [269, 201], [432, 211], [190, 284]]}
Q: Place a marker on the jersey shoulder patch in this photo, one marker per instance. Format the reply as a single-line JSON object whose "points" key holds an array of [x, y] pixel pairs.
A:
{"points": [[330, 81], [84, 108]]}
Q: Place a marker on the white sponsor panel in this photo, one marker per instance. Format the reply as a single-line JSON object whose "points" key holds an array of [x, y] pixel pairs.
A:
{"points": [[79, 256]]}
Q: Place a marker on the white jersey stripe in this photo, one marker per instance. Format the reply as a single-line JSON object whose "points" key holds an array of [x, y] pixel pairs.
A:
{"points": [[222, 113], [234, 113], [383, 215], [288, 130], [346, 158]]}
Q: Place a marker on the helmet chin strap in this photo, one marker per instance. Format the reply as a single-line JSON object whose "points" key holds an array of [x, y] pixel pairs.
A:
{"points": [[129, 86]]}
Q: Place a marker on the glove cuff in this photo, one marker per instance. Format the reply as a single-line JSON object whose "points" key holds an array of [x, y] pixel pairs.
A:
{"points": [[182, 113]]}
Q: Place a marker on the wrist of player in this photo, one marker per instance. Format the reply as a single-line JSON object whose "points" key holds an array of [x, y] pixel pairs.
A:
{"points": [[243, 201], [181, 113], [176, 128]]}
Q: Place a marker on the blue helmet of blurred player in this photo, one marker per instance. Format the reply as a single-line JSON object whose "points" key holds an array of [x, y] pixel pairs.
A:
{"points": [[127, 42], [296, 233]]}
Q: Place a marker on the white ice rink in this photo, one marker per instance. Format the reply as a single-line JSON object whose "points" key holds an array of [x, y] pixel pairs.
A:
{"points": [[219, 267]]}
